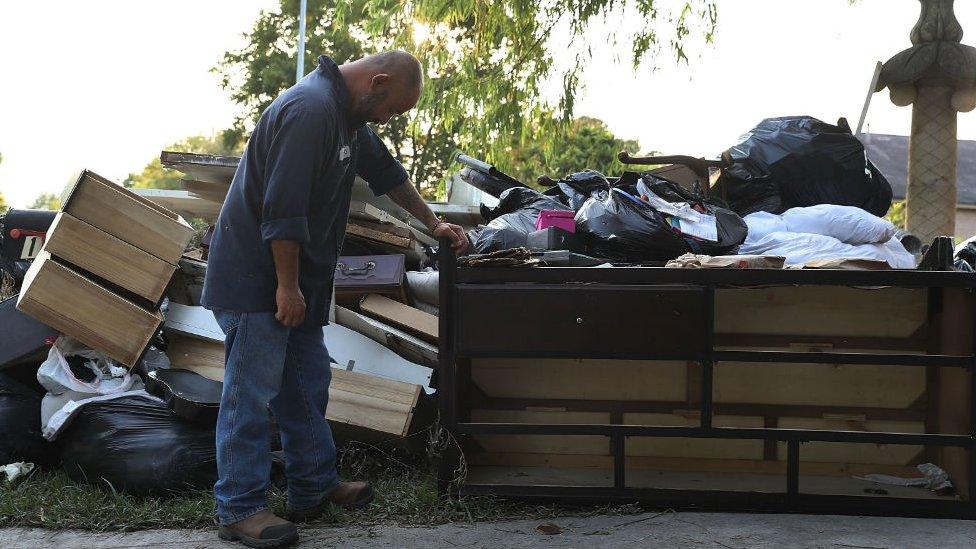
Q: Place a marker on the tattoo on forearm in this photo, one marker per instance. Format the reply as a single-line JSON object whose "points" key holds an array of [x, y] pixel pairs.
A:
{"points": [[407, 197]]}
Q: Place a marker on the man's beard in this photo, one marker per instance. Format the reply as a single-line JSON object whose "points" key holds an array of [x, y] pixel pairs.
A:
{"points": [[362, 111]]}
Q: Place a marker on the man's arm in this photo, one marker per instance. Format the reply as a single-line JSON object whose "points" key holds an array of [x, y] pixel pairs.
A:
{"points": [[289, 298], [407, 197]]}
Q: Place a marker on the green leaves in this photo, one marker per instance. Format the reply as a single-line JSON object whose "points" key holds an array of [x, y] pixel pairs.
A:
{"points": [[492, 85]]}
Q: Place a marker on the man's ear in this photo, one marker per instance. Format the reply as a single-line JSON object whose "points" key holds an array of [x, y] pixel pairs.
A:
{"points": [[379, 81]]}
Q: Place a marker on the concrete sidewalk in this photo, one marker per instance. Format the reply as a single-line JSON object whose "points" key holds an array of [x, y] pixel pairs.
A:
{"points": [[691, 530]]}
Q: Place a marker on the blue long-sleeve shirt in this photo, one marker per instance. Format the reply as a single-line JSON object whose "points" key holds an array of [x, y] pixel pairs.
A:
{"points": [[294, 183]]}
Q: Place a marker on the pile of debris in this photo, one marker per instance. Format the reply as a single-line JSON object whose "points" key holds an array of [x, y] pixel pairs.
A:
{"points": [[109, 352], [110, 368]]}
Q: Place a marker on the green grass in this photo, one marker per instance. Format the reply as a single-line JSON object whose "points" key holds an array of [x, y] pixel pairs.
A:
{"points": [[406, 495]]}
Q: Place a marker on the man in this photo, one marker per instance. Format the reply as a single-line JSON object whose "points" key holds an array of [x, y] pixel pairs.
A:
{"points": [[269, 283]]}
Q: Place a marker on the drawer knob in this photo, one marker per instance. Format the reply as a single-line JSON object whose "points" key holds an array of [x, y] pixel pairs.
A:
{"points": [[579, 320]]}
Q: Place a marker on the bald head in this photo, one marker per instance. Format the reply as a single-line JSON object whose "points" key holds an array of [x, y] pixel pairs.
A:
{"points": [[400, 64], [382, 85]]}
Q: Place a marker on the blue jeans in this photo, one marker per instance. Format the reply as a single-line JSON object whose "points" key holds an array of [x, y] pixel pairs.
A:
{"points": [[288, 368]]}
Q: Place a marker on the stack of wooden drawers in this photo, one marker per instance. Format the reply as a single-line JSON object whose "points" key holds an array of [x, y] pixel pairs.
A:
{"points": [[107, 260]]}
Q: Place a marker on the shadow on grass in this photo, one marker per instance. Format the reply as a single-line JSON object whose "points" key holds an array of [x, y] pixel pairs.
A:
{"points": [[406, 495]]}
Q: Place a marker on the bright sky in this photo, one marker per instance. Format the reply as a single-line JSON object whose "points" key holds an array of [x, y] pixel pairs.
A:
{"points": [[106, 84]]}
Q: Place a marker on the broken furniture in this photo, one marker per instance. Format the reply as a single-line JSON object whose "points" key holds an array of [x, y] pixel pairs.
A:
{"points": [[726, 389], [405, 317], [356, 276], [374, 392], [107, 260]]}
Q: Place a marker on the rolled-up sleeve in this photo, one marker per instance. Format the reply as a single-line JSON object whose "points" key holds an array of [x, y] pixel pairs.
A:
{"points": [[294, 156], [376, 165]]}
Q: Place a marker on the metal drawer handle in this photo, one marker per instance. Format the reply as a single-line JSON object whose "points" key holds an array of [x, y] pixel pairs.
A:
{"points": [[363, 271], [579, 320]]}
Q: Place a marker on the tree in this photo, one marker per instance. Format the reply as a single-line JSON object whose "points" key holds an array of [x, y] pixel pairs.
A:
{"points": [[47, 201], [487, 64], [155, 176], [897, 214], [587, 143]]}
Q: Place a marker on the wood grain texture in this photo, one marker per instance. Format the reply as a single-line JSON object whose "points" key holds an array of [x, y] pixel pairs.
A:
{"points": [[357, 399], [417, 322], [197, 355], [127, 216], [372, 402], [821, 311], [354, 228], [74, 305], [214, 192], [108, 257]]}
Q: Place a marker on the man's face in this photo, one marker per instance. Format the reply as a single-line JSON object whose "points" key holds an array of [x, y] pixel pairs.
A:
{"points": [[384, 100]]}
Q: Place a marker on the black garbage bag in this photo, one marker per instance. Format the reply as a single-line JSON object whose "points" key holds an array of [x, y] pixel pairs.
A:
{"points": [[510, 223], [800, 161], [575, 189], [138, 447], [966, 252], [624, 228], [20, 425]]}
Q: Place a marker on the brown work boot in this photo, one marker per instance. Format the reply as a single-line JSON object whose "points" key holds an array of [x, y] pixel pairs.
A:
{"points": [[348, 495], [261, 530]]}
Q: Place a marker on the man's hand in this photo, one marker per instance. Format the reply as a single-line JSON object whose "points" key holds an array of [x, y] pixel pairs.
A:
{"points": [[291, 306], [407, 197], [459, 240]]}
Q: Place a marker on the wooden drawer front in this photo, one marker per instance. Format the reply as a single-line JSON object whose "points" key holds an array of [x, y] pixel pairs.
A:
{"points": [[127, 216], [74, 305], [106, 256], [584, 321]]}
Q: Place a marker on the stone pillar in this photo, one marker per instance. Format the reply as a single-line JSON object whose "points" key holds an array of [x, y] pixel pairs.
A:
{"points": [[931, 200], [937, 76]]}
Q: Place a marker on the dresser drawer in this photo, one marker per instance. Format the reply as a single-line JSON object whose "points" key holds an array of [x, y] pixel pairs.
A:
{"points": [[581, 321]]}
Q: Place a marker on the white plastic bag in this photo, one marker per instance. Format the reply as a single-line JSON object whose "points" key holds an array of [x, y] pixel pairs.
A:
{"points": [[801, 248], [56, 376], [848, 224], [424, 285], [762, 224]]}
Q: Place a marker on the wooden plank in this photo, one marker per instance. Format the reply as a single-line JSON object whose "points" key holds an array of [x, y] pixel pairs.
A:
{"points": [[214, 192], [369, 212], [711, 465], [72, 304], [202, 167], [692, 447], [365, 232], [127, 216], [355, 398], [580, 379], [954, 386], [542, 444], [819, 384], [821, 311], [182, 202], [372, 402], [404, 231], [197, 355], [412, 320], [406, 345], [108, 257], [836, 452]]}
